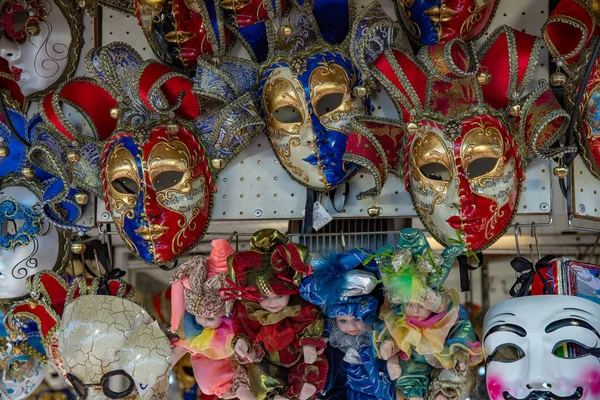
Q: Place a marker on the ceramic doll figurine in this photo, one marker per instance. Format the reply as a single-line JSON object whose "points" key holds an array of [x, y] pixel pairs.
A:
{"points": [[426, 337], [348, 294], [278, 334], [195, 297]]}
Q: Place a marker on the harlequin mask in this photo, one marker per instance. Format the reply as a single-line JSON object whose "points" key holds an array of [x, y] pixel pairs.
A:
{"points": [[106, 346], [543, 347], [55, 27], [432, 22], [575, 21], [26, 236], [158, 172], [179, 31], [464, 154], [312, 95]]}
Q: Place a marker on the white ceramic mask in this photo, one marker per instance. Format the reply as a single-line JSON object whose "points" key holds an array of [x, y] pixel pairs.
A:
{"points": [[49, 52], [112, 348], [543, 347], [29, 244]]}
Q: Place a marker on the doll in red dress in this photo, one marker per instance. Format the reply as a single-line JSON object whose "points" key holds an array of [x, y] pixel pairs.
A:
{"points": [[278, 334]]}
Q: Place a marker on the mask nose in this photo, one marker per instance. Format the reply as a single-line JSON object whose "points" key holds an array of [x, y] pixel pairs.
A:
{"points": [[307, 135], [9, 50], [537, 378]]}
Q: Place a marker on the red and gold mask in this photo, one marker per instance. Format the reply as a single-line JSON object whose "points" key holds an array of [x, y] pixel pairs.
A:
{"points": [[470, 131]]}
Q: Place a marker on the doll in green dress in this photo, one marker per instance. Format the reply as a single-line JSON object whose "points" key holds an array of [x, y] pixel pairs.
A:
{"points": [[425, 335]]}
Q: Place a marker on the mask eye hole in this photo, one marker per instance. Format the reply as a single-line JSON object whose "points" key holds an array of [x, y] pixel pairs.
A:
{"points": [[570, 349], [189, 371], [167, 180], [435, 172], [125, 185], [288, 115], [507, 353], [19, 20], [329, 103], [12, 226], [481, 166]]}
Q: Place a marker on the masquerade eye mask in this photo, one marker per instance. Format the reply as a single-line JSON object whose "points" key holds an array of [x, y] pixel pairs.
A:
{"points": [[158, 178], [313, 97], [127, 355], [464, 154], [54, 26], [439, 21], [543, 347]]}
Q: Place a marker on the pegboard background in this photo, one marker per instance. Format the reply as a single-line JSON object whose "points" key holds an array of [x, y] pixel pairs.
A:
{"points": [[254, 186], [585, 192]]}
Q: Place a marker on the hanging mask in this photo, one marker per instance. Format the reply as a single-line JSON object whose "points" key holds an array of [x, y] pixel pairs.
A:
{"points": [[55, 27], [126, 355], [29, 243], [21, 365], [543, 347], [159, 172], [574, 21], [312, 95], [439, 21], [470, 131]]}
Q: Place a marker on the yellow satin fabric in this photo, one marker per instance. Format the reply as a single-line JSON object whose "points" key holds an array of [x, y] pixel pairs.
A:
{"points": [[204, 344], [426, 340], [264, 317]]}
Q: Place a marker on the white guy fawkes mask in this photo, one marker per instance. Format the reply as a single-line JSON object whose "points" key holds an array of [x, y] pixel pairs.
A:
{"points": [[543, 347]]}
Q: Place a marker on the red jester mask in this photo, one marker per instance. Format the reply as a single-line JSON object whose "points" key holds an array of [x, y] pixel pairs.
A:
{"points": [[464, 177], [159, 191]]}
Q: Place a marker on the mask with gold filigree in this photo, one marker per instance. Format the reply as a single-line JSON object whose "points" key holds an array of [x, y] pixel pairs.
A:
{"points": [[41, 40], [159, 155], [311, 92], [126, 355], [435, 22], [470, 131], [22, 360], [179, 31], [569, 36]]}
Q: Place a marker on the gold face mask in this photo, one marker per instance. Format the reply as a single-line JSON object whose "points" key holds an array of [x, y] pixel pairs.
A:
{"points": [[466, 185], [308, 117]]}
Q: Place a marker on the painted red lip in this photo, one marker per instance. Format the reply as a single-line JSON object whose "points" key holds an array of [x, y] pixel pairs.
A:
{"points": [[457, 222], [16, 73]]}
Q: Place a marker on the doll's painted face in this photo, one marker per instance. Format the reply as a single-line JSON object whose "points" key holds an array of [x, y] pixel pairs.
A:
{"points": [[274, 302], [209, 321], [350, 325], [417, 311]]}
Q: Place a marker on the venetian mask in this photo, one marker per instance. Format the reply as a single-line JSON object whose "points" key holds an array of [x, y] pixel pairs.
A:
{"points": [[28, 243], [469, 182], [467, 141], [543, 347], [41, 41], [159, 191], [438, 21], [112, 348], [308, 116], [179, 31]]}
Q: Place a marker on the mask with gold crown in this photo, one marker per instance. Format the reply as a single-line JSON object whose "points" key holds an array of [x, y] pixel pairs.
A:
{"points": [[162, 139], [470, 129]]}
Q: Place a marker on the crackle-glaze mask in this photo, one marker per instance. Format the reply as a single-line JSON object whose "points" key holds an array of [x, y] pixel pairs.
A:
{"points": [[21, 374], [308, 117], [159, 191], [179, 31], [112, 348], [26, 236], [41, 40], [465, 178], [438, 21], [543, 347]]}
